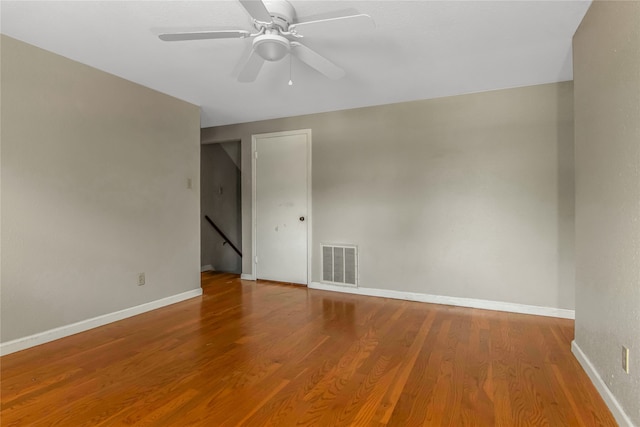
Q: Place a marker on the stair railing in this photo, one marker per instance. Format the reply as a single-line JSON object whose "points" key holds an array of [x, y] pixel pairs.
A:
{"points": [[224, 236]]}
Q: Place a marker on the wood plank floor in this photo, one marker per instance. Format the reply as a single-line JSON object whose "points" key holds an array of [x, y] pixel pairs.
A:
{"points": [[259, 354]]}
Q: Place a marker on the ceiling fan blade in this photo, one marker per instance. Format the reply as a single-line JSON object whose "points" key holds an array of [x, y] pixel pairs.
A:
{"points": [[323, 26], [257, 10], [251, 68], [317, 61], [204, 35]]}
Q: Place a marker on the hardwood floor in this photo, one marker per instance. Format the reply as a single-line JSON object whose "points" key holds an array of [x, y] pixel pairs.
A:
{"points": [[259, 354]]}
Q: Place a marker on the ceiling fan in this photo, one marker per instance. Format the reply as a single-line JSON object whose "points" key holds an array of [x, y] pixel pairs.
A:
{"points": [[276, 35]]}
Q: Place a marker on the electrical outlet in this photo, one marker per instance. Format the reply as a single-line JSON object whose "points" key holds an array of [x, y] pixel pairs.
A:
{"points": [[141, 279], [625, 359]]}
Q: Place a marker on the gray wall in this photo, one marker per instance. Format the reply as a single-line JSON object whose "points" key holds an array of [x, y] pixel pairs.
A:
{"points": [[607, 105], [466, 196], [94, 174], [220, 200]]}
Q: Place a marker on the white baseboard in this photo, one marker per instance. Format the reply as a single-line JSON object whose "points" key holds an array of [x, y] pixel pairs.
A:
{"points": [[207, 267], [618, 413], [84, 325], [247, 277], [457, 301]]}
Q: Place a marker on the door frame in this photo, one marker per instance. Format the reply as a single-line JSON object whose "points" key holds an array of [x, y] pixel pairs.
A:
{"points": [[254, 232]]}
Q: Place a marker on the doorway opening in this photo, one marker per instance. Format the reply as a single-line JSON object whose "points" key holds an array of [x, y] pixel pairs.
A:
{"points": [[220, 207]]}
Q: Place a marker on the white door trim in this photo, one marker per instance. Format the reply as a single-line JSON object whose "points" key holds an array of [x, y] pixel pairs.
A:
{"points": [[309, 217]]}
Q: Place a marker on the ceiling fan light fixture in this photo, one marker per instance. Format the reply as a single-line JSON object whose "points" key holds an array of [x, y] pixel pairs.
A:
{"points": [[271, 47]]}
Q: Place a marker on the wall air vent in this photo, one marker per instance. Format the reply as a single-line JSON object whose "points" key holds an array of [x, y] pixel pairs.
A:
{"points": [[340, 265]]}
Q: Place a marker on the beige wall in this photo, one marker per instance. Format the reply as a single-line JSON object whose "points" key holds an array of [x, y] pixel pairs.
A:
{"points": [[607, 120], [467, 196], [94, 172]]}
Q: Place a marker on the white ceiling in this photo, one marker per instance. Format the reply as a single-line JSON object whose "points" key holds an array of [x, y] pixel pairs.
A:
{"points": [[419, 50]]}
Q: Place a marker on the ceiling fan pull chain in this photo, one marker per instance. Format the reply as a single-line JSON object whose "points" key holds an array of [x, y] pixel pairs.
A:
{"points": [[290, 73]]}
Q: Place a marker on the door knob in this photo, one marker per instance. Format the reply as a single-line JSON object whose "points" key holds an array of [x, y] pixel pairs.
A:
{"points": [[301, 218]]}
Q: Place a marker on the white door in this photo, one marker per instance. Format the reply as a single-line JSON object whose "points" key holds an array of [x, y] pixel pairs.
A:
{"points": [[282, 183]]}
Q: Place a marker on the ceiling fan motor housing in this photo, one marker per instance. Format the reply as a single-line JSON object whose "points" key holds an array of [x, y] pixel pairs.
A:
{"points": [[282, 13], [272, 46]]}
